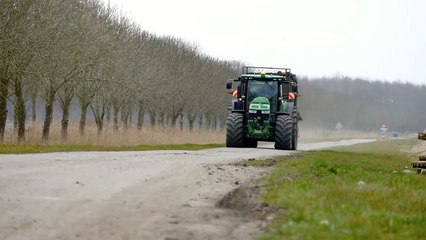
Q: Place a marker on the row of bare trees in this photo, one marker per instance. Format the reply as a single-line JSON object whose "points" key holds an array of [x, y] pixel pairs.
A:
{"points": [[83, 52]]}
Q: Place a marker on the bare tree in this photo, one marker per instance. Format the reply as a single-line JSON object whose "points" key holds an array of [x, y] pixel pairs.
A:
{"points": [[15, 54], [65, 96]]}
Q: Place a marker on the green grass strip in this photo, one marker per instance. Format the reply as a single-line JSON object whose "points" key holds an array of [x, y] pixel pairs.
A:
{"points": [[20, 149], [347, 195]]}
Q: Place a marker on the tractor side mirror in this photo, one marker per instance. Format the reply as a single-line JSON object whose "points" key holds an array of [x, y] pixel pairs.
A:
{"points": [[285, 89], [229, 85], [294, 86]]}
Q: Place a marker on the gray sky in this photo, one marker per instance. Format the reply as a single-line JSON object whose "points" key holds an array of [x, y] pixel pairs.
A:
{"points": [[373, 39]]}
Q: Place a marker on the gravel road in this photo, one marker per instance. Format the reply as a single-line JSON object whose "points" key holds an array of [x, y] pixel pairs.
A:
{"points": [[129, 195]]}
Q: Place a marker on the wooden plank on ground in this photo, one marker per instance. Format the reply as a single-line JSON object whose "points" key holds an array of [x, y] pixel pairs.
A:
{"points": [[419, 164]]}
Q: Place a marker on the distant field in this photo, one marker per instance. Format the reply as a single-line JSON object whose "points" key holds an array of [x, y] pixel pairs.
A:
{"points": [[367, 191]]}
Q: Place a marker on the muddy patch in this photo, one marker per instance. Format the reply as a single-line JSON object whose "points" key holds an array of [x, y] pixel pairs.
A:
{"points": [[247, 201]]}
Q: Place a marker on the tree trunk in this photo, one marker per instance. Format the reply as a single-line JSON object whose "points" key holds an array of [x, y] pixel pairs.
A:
{"points": [[65, 119], [215, 123], [15, 117], [115, 124], [83, 117], [140, 116], [125, 119], [100, 126], [200, 121], [4, 92], [34, 108], [108, 114], [191, 120], [152, 118], [99, 114], [173, 120], [161, 119], [48, 114], [181, 121], [20, 113], [209, 123]]}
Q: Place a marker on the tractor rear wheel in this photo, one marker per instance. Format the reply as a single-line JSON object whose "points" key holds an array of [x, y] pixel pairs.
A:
{"points": [[234, 130], [295, 133], [283, 132]]}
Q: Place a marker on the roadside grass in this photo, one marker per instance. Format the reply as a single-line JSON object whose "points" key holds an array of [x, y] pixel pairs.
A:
{"points": [[123, 139], [131, 136], [20, 149], [357, 192], [389, 146]]}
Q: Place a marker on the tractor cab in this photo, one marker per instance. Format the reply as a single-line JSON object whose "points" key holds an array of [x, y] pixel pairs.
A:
{"points": [[262, 89]]}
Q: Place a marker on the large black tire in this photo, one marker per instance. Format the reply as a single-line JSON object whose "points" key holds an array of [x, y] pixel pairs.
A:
{"points": [[295, 132], [234, 130], [283, 132]]}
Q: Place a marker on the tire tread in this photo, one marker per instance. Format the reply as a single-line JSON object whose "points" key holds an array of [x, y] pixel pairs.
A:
{"points": [[283, 132], [234, 130]]}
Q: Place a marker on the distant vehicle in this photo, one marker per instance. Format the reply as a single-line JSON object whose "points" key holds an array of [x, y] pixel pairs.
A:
{"points": [[265, 108], [395, 134]]}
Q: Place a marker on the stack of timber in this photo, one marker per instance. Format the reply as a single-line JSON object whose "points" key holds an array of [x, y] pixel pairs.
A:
{"points": [[421, 163]]}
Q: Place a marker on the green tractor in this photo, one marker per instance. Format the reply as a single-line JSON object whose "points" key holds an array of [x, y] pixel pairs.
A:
{"points": [[264, 108]]}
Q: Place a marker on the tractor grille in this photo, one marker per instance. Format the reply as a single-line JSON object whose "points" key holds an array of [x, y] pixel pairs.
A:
{"points": [[258, 117]]}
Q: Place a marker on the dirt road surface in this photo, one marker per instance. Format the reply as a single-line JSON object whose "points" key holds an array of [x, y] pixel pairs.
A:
{"points": [[129, 195]]}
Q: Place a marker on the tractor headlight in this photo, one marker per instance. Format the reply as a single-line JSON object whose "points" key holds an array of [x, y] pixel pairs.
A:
{"points": [[265, 112]]}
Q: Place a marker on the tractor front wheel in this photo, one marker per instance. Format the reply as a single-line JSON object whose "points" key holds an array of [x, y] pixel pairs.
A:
{"points": [[283, 132], [234, 130]]}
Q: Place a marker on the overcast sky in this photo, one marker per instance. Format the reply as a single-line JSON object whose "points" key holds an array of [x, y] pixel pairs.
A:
{"points": [[373, 39]]}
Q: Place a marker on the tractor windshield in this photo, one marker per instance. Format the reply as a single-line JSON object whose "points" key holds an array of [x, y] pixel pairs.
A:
{"points": [[268, 89]]}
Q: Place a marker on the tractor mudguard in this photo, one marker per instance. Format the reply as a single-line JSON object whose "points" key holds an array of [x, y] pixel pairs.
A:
{"points": [[299, 118], [237, 106], [286, 108]]}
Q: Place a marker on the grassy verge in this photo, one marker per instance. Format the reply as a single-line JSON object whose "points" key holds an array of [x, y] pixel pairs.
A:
{"points": [[352, 193], [387, 147], [19, 149]]}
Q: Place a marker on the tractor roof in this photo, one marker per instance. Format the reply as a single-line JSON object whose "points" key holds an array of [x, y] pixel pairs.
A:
{"points": [[266, 70], [266, 73], [262, 76]]}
